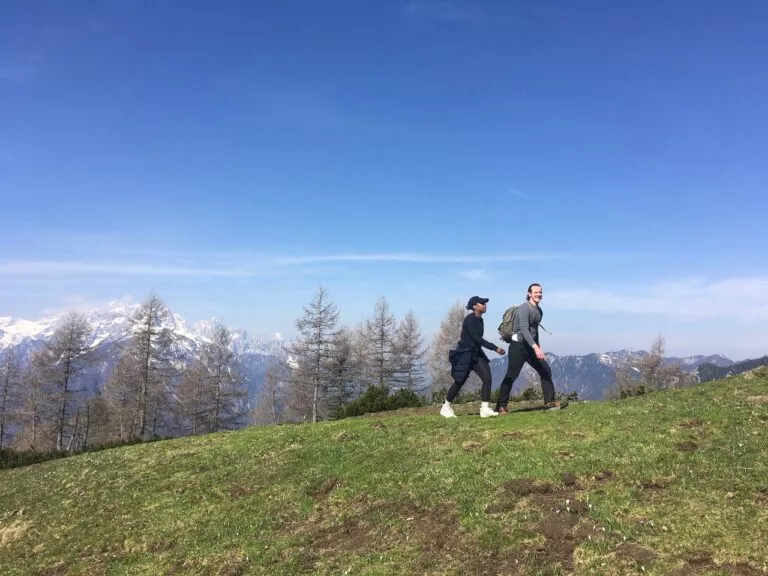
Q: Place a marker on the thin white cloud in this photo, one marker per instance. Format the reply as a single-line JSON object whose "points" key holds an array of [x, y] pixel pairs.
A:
{"points": [[80, 303], [238, 265], [521, 194], [476, 274], [743, 299], [418, 258], [44, 268]]}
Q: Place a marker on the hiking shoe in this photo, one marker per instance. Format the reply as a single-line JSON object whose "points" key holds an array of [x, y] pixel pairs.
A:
{"points": [[447, 412], [487, 412], [502, 410], [555, 405]]}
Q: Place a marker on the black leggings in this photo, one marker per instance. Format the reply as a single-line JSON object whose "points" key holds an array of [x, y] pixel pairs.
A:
{"points": [[482, 368], [520, 353]]}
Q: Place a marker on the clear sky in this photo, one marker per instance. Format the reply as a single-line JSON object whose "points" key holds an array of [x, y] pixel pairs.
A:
{"points": [[233, 156]]}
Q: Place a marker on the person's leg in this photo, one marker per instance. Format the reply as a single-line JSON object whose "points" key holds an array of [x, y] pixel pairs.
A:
{"points": [[516, 357], [453, 391], [545, 373], [483, 369], [446, 410]]}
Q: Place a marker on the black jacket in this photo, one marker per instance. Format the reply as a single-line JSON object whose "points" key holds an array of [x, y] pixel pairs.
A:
{"points": [[472, 335]]}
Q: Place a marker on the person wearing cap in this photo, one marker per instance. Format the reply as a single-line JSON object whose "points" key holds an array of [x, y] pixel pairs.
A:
{"points": [[469, 356]]}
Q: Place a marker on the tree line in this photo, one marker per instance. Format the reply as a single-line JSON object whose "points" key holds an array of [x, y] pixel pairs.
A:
{"points": [[328, 366], [52, 402], [48, 403]]}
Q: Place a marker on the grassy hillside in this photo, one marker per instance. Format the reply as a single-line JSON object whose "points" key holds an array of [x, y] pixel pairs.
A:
{"points": [[673, 483]]}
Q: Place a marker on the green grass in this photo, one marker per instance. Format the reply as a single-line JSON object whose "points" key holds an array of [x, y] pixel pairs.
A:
{"points": [[670, 483]]}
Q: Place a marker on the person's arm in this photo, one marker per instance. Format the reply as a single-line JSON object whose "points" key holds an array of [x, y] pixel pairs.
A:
{"points": [[475, 332]]}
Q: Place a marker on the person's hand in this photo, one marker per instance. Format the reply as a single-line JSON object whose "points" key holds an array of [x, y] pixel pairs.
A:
{"points": [[539, 353], [500, 351]]}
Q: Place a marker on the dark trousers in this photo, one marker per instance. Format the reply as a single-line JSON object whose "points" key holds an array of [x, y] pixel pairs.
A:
{"points": [[482, 368], [518, 354]]}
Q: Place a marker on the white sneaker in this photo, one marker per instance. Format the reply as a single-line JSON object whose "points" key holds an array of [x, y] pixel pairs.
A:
{"points": [[487, 412], [447, 412]]}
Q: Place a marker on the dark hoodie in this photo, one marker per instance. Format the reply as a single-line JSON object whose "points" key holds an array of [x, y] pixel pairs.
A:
{"points": [[472, 335]]}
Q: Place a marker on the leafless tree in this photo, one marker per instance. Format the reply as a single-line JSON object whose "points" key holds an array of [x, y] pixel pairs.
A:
{"points": [[223, 381], [271, 400], [311, 352], [409, 354], [121, 394], [10, 392], [380, 332], [151, 350], [59, 364], [193, 405]]}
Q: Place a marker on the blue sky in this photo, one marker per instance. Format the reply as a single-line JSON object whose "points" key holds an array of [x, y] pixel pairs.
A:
{"points": [[233, 156]]}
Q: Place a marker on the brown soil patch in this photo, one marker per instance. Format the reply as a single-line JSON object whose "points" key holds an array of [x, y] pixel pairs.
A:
{"points": [[688, 446], [758, 399], [569, 479], [515, 434], [699, 558], [436, 534], [383, 526], [636, 553], [604, 475], [525, 486], [562, 528], [565, 455], [378, 426], [560, 523], [471, 446], [490, 564], [700, 561], [762, 498], [322, 491], [442, 545], [239, 491]]}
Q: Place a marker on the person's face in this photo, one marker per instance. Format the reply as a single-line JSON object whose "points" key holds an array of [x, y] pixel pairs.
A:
{"points": [[536, 294], [480, 308]]}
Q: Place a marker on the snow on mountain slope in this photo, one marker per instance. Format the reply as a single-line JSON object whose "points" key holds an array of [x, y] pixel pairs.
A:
{"points": [[112, 327]]}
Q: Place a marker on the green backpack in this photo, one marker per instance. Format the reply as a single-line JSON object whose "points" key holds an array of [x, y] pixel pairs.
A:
{"points": [[505, 328]]}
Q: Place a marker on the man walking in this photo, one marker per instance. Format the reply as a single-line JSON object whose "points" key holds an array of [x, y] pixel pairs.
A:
{"points": [[525, 347], [469, 356]]}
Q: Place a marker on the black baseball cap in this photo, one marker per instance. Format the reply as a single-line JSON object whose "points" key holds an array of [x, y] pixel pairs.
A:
{"points": [[475, 300]]}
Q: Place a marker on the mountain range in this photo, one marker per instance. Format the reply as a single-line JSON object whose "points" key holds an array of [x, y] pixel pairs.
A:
{"points": [[589, 375], [592, 376], [112, 329]]}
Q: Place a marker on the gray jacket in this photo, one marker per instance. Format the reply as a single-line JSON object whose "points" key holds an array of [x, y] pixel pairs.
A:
{"points": [[526, 324]]}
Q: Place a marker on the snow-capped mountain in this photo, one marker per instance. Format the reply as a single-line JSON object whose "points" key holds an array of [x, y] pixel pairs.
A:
{"points": [[112, 328]]}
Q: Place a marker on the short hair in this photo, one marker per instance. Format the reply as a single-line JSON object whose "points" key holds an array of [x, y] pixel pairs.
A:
{"points": [[528, 296]]}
